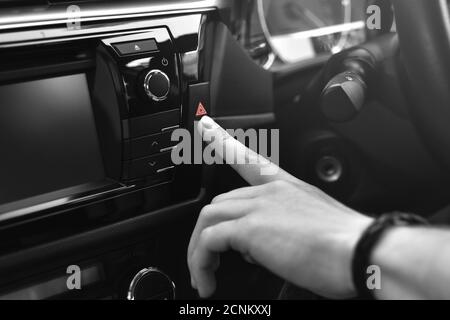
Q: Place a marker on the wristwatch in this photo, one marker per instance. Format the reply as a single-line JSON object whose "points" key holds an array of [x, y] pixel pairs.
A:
{"points": [[367, 243]]}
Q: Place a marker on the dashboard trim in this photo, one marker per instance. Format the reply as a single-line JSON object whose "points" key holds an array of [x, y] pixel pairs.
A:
{"points": [[26, 27], [23, 18], [100, 237], [19, 38], [65, 201]]}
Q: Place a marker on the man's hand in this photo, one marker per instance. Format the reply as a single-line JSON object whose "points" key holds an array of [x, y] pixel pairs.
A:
{"points": [[281, 223]]}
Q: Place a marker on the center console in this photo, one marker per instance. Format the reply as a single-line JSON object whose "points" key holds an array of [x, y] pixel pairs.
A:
{"points": [[144, 70], [89, 114], [87, 179]]}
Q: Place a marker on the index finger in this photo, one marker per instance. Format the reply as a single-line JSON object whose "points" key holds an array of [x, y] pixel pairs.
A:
{"points": [[257, 170]]}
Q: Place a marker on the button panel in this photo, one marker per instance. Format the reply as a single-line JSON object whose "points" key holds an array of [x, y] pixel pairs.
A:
{"points": [[147, 69], [147, 64]]}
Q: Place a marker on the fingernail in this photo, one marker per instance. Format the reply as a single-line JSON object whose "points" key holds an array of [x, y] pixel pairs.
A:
{"points": [[207, 122]]}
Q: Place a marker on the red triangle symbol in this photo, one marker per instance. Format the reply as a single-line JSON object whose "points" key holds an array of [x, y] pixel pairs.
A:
{"points": [[201, 111]]}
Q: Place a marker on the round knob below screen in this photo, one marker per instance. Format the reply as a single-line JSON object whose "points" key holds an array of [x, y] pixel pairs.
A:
{"points": [[151, 284], [157, 85]]}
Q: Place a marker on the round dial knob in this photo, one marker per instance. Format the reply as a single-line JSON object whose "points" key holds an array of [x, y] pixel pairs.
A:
{"points": [[157, 85], [151, 284]]}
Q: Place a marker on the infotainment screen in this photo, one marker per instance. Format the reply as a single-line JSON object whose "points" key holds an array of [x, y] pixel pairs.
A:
{"points": [[48, 137]]}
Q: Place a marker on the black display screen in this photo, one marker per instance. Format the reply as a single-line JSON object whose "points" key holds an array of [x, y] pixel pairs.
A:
{"points": [[48, 137]]}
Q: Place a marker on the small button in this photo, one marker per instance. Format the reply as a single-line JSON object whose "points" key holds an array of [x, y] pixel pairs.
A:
{"points": [[135, 47], [155, 123], [149, 145], [150, 166], [199, 102]]}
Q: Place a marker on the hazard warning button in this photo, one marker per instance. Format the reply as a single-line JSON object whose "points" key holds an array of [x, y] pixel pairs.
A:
{"points": [[199, 104], [201, 111]]}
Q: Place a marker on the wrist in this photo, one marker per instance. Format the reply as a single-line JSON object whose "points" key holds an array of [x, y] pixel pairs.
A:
{"points": [[355, 232], [367, 245]]}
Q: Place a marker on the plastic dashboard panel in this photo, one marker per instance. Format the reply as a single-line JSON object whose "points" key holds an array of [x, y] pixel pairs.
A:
{"points": [[241, 90]]}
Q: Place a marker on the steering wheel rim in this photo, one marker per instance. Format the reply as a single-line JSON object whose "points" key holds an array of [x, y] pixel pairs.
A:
{"points": [[424, 32]]}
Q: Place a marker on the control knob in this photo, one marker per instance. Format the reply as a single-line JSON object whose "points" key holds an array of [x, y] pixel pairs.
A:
{"points": [[151, 284], [343, 97], [157, 85]]}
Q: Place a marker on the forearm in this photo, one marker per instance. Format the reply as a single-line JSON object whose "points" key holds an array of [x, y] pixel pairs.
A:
{"points": [[414, 264]]}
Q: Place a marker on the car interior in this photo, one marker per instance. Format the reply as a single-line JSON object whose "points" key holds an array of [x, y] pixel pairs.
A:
{"points": [[91, 91]]}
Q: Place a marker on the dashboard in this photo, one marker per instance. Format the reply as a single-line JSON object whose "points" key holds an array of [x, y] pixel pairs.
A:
{"points": [[92, 90], [90, 93]]}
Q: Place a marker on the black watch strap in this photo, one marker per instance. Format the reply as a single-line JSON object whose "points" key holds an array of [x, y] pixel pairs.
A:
{"points": [[367, 243]]}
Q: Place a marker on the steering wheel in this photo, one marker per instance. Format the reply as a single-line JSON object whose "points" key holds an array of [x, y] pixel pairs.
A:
{"points": [[424, 32]]}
